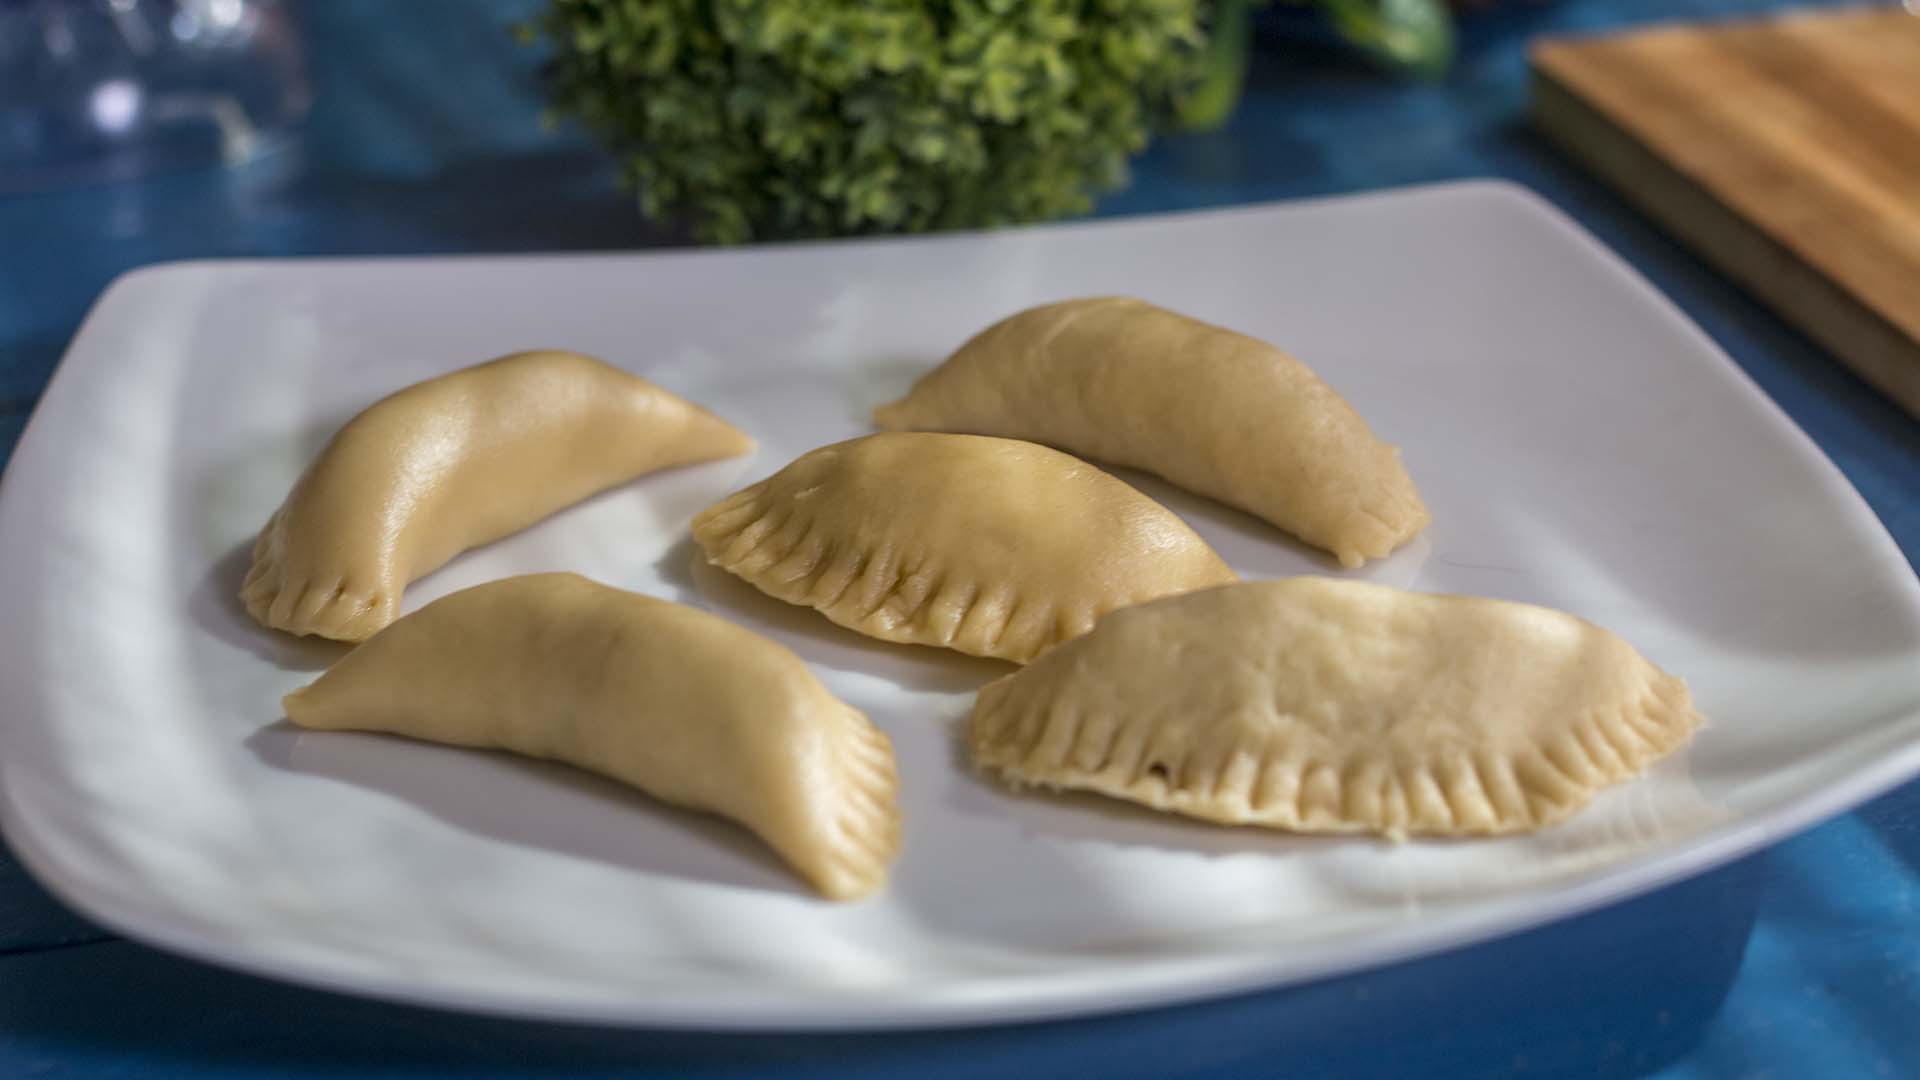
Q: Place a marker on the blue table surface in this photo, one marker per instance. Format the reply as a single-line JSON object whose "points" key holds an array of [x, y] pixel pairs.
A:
{"points": [[1802, 960]]}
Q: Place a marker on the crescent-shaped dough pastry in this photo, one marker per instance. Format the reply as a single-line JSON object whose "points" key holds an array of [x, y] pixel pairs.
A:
{"points": [[1219, 413], [683, 705], [990, 546], [453, 463], [1337, 706]]}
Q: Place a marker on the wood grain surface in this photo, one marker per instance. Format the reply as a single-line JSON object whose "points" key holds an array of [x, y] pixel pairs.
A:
{"points": [[1785, 151]]}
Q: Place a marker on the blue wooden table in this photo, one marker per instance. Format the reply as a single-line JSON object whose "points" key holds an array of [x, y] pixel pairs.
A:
{"points": [[1801, 961]]}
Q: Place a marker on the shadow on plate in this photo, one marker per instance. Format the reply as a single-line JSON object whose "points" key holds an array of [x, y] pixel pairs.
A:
{"points": [[1256, 548], [533, 804], [883, 381], [214, 605]]}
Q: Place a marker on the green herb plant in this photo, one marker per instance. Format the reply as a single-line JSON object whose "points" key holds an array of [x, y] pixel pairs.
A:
{"points": [[750, 119], [756, 119]]}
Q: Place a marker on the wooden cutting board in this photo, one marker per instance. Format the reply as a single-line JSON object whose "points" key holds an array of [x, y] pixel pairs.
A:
{"points": [[1786, 152]]}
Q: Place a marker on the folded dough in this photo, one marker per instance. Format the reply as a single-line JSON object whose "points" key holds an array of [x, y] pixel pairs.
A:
{"points": [[1337, 706], [1122, 381], [683, 705], [453, 463], [989, 546]]}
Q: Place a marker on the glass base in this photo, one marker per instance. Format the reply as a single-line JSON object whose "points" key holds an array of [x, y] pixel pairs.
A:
{"points": [[95, 91]]}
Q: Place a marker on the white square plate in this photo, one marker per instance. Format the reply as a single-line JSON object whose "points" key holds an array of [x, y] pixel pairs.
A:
{"points": [[1581, 445]]}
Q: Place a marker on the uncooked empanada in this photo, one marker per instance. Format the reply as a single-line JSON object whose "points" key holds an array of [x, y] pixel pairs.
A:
{"points": [[453, 463], [1219, 413], [990, 546], [683, 705], [1337, 706]]}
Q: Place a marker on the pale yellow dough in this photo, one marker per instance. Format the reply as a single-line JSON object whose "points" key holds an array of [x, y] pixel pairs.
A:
{"points": [[990, 546], [683, 705], [1337, 706], [1222, 414], [453, 463]]}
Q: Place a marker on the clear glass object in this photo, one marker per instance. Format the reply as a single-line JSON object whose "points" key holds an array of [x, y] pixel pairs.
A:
{"points": [[100, 90]]}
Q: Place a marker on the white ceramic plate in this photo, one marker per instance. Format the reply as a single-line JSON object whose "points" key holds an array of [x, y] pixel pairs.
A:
{"points": [[1581, 445]]}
